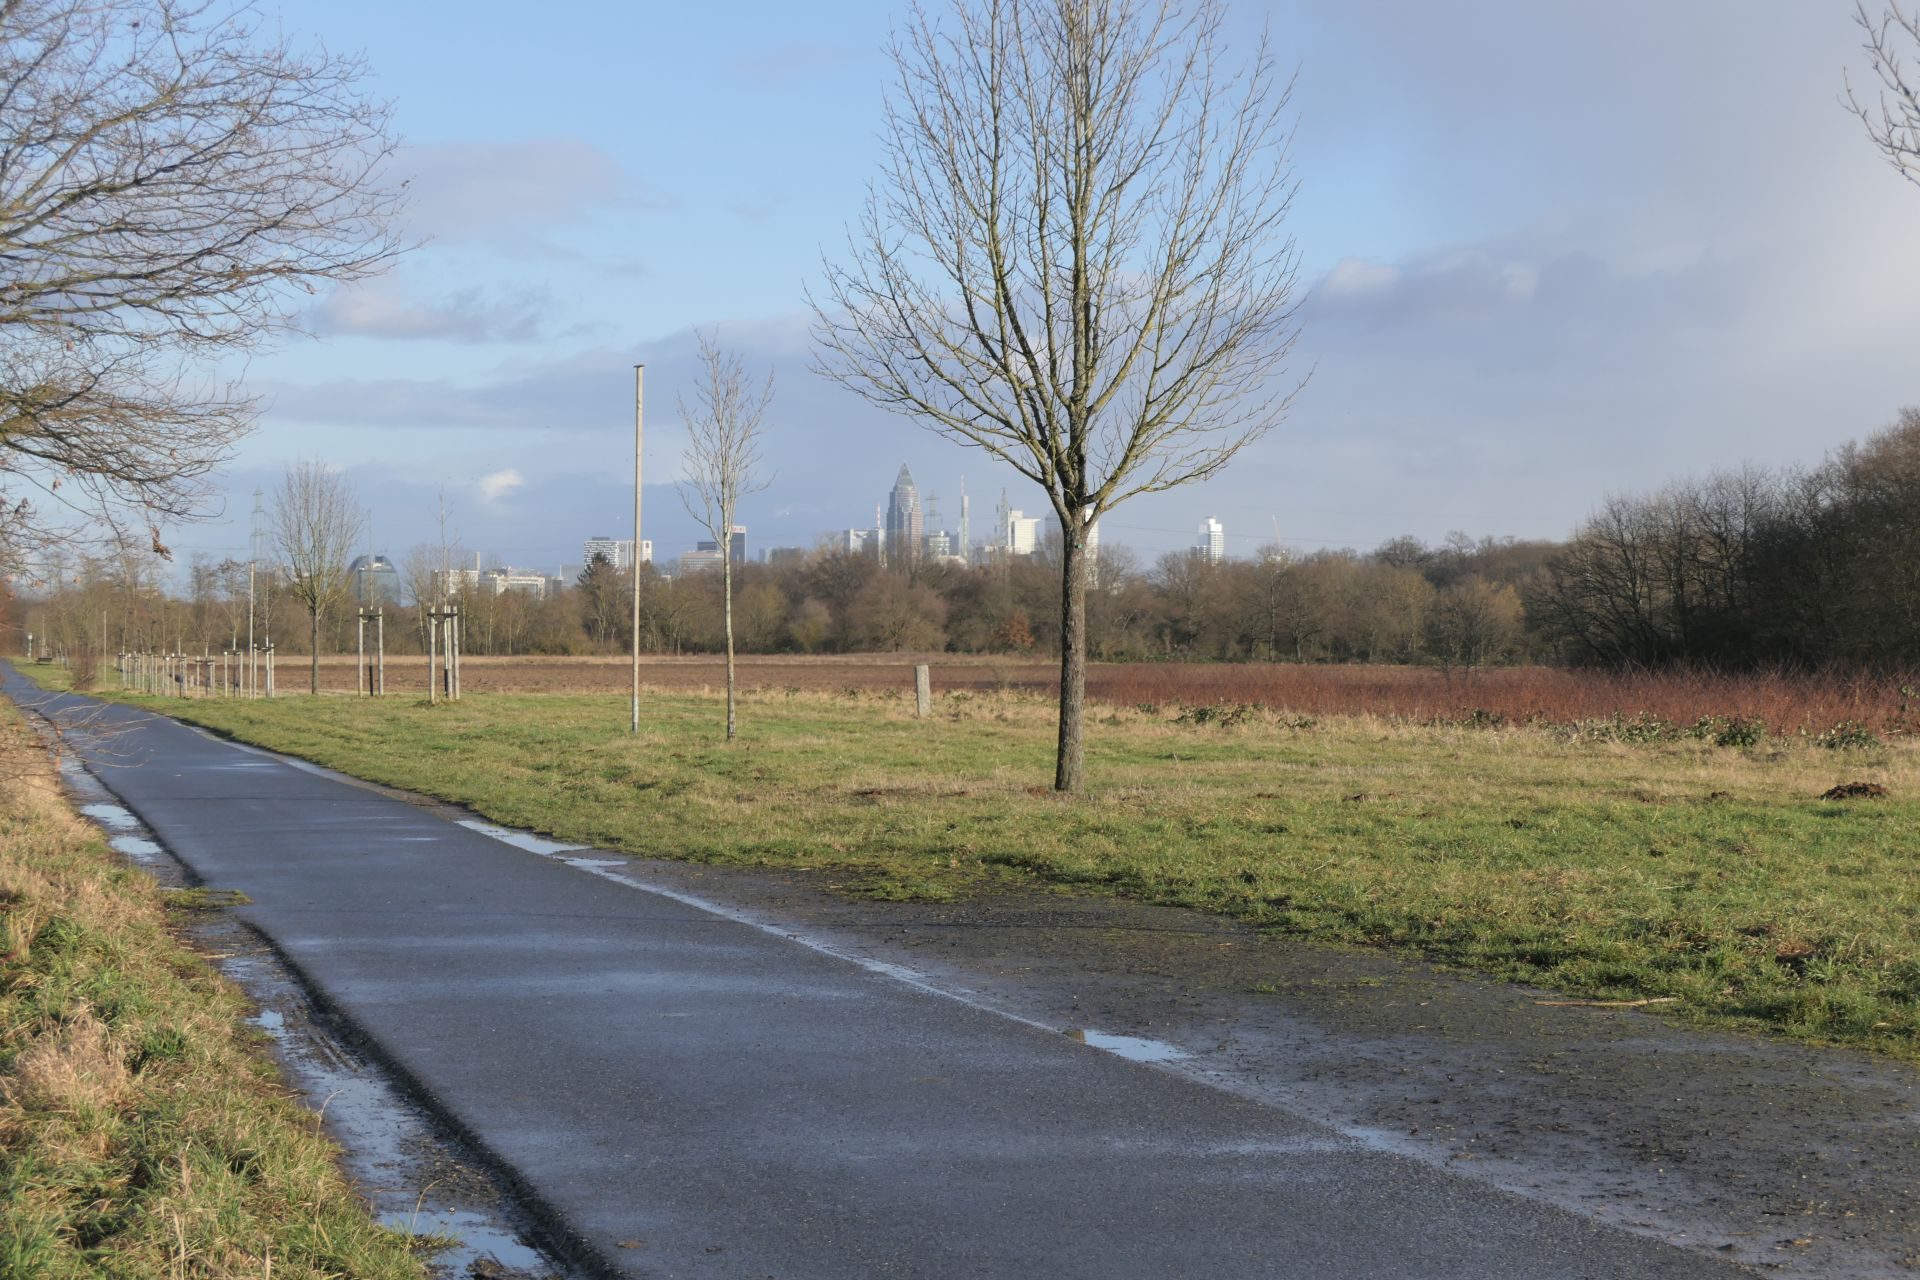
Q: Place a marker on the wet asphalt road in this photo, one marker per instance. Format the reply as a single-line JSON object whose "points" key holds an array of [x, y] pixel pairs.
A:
{"points": [[686, 1094]]}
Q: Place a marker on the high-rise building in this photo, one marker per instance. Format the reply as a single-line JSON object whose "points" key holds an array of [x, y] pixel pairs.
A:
{"points": [[1020, 535], [706, 557], [904, 520], [966, 535], [618, 551], [1213, 540], [375, 581], [737, 545]]}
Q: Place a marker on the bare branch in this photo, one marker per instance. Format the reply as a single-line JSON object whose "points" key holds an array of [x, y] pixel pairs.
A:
{"points": [[175, 182], [1893, 119]]}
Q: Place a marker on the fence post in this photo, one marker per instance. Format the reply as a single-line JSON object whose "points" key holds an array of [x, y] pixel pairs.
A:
{"points": [[922, 690]]}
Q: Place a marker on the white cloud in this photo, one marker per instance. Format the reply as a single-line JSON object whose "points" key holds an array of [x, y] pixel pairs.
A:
{"points": [[499, 484], [381, 309], [1356, 277], [481, 190]]}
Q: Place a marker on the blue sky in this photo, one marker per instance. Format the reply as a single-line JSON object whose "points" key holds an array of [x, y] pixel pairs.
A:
{"points": [[1553, 251]]}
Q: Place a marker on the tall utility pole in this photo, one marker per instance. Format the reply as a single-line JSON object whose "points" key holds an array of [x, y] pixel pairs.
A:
{"points": [[254, 539], [639, 372]]}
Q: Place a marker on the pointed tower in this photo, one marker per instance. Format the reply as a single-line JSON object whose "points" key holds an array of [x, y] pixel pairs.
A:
{"points": [[905, 524]]}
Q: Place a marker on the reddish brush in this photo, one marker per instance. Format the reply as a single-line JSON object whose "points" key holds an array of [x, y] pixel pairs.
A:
{"points": [[1786, 702]]}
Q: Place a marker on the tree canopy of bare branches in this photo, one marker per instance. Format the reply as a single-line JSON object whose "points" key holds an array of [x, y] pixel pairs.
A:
{"points": [[1892, 119], [1075, 258], [721, 464], [175, 180], [316, 522]]}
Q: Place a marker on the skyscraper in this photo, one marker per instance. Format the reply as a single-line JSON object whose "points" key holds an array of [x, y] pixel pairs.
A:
{"points": [[1213, 540], [904, 522]]}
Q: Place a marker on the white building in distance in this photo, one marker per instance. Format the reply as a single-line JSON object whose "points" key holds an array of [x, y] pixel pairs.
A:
{"points": [[708, 559], [1213, 540], [1021, 535], [618, 551]]}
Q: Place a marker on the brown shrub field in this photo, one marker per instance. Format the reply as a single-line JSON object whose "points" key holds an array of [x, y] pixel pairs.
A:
{"points": [[1785, 702]]}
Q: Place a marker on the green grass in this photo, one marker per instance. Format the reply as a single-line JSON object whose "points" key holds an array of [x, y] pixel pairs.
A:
{"points": [[143, 1131], [1601, 869]]}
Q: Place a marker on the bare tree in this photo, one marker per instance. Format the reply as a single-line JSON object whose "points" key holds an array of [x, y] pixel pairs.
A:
{"points": [[315, 525], [1075, 259], [721, 464], [1893, 118], [175, 180]]}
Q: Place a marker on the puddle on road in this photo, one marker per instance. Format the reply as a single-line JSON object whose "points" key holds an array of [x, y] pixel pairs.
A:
{"points": [[141, 850], [1132, 1048], [521, 839], [110, 816], [392, 1153], [481, 1241]]}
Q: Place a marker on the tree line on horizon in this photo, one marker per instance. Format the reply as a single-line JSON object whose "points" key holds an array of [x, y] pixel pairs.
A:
{"points": [[1799, 567]]}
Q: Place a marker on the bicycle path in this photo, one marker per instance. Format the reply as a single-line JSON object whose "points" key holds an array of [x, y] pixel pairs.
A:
{"points": [[682, 1092]]}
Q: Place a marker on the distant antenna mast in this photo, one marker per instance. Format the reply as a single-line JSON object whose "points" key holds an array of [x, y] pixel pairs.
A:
{"points": [[966, 542]]}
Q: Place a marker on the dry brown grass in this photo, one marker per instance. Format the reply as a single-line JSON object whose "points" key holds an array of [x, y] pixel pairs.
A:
{"points": [[1786, 702]]}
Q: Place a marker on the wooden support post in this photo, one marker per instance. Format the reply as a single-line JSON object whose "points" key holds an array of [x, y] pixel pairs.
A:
{"points": [[922, 690]]}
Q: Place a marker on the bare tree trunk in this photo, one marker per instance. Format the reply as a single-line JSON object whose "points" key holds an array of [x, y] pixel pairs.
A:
{"points": [[313, 652], [1070, 763], [726, 610]]}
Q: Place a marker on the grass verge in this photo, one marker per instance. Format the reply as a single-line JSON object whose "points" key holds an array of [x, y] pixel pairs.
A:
{"points": [[1617, 870], [143, 1132]]}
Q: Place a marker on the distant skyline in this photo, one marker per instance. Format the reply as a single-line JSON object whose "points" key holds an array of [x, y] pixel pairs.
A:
{"points": [[1552, 253]]}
